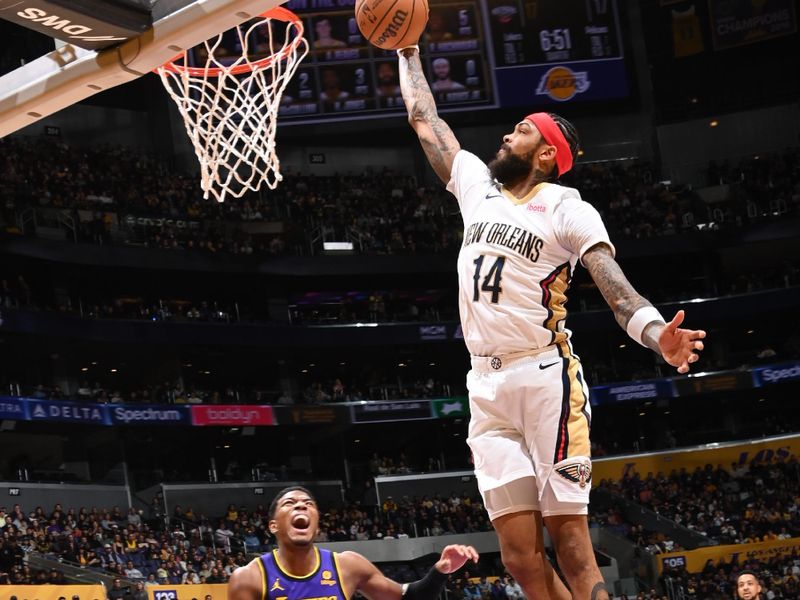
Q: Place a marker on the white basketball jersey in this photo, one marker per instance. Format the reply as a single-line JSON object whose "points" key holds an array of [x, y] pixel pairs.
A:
{"points": [[517, 260]]}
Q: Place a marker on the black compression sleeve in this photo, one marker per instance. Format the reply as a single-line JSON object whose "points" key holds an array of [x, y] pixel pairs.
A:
{"points": [[427, 588]]}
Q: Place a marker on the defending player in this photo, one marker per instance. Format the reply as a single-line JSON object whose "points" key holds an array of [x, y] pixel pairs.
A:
{"points": [[298, 570], [529, 429]]}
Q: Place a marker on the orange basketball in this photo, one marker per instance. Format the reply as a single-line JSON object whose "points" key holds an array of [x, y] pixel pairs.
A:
{"points": [[392, 24]]}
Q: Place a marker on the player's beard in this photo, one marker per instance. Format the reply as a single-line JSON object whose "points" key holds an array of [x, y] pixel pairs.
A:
{"points": [[511, 168]]}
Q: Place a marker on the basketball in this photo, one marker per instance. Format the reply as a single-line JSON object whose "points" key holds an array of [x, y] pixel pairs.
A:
{"points": [[392, 24]]}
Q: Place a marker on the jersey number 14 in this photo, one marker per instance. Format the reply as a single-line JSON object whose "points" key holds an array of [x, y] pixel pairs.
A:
{"points": [[491, 283]]}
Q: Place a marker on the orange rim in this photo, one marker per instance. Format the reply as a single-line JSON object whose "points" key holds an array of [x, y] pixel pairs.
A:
{"points": [[278, 13]]}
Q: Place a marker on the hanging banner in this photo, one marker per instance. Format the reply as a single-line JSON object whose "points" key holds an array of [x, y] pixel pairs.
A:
{"points": [[739, 22]]}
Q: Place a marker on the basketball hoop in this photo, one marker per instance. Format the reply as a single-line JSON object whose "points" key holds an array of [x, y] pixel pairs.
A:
{"points": [[230, 105]]}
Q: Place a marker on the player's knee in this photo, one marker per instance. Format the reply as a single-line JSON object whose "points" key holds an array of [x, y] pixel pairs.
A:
{"points": [[575, 557], [524, 565]]}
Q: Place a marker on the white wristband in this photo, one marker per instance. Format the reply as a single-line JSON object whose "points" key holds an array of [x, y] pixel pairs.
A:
{"points": [[400, 50], [641, 319]]}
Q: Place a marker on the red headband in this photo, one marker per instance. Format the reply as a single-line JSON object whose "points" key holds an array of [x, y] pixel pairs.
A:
{"points": [[552, 135]]}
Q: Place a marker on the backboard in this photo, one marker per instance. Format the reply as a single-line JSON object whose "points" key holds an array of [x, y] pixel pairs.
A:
{"points": [[146, 34]]}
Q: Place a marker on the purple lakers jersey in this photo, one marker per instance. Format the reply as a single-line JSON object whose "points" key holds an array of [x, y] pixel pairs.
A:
{"points": [[322, 583]]}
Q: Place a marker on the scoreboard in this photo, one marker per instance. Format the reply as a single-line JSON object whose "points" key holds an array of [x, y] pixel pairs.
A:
{"points": [[477, 54], [550, 51]]}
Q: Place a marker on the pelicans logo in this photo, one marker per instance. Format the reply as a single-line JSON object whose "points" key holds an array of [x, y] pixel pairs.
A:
{"points": [[580, 473], [562, 83]]}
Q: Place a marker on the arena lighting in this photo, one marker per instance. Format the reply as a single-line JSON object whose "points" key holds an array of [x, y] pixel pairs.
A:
{"points": [[337, 246], [713, 123], [366, 324]]}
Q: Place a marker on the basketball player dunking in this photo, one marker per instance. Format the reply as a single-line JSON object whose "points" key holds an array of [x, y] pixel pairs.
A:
{"points": [[529, 430], [298, 570]]}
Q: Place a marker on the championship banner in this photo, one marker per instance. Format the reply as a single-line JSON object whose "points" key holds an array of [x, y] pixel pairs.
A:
{"points": [[741, 454], [54, 592], [213, 591], [739, 22], [695, 560]]}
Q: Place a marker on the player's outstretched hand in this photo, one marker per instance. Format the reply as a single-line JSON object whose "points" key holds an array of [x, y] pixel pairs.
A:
{"points": [[679, 347], [454, 557]]}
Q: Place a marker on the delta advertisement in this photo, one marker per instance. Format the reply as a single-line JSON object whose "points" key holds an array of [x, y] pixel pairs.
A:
{"points": [[695, 560], [741, 454]]}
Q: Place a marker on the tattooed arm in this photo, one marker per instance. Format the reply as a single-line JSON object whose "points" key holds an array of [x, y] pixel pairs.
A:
{"points": [[436, 137], [677, 346]]}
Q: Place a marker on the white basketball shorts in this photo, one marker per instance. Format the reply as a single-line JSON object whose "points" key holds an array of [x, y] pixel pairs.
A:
{"points": [[530, 419]]}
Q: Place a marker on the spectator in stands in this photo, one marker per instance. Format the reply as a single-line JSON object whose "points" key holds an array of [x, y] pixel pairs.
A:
{"points": [[513, 589], [117, 592], [223, 535], [498, 590], [131, 572]]}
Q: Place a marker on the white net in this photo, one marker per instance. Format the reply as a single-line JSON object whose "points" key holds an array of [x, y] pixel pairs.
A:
{"points": [[230, 105]]}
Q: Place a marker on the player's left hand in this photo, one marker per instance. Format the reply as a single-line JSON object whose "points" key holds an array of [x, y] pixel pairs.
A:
{"points": [[454, 556], [679, 347]]}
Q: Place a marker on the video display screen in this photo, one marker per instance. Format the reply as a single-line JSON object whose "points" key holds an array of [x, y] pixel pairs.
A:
{"points": [[476, 54]]}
